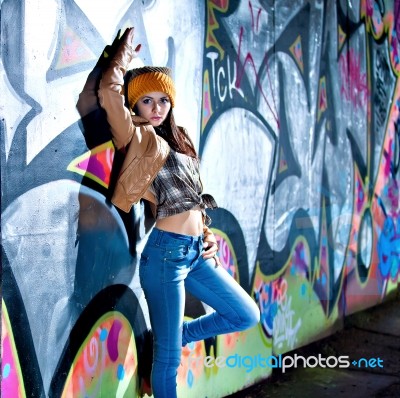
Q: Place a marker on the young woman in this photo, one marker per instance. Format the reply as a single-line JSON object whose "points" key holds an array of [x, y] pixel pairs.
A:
{"points": [[161, 166]]}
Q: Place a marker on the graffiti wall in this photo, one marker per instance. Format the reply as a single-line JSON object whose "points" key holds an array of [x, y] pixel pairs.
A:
{"points": [[294, 107]]}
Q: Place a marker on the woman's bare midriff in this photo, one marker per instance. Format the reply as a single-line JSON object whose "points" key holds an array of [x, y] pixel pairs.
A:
{"points": [[189, 222]]}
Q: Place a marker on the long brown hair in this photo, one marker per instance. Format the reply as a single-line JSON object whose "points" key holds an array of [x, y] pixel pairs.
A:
{"points": [[176, 136]]}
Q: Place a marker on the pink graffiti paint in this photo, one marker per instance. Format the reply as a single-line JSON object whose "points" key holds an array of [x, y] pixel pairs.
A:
{"points": [[241, 71], [393, 196], [231, 340], [255, 25], [322, 97], [226, 258], [107, 357], [112, 340], [270, 296], [190, 371], [300, 258], [395, 36], [395, 51], [369, 8], [95, 164], [354, 87], [10, 385], [387, 159], [73, 50], [373, 12], [297, 52], [360, 196], [207, 108], [91, 356], [279, 288]]}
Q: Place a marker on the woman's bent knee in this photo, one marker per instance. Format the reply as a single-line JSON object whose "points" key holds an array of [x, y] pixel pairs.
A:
{"points": [[251, 316]]}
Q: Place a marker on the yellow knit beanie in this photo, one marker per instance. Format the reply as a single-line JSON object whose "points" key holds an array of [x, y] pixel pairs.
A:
{"points": [[149, 79]]}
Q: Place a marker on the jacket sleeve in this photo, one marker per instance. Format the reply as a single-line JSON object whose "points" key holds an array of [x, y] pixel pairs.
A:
{"points": [[87, 101], [112, 98]]}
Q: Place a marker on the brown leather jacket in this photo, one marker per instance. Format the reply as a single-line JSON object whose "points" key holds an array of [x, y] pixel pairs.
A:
{"points": [[145, 151]]}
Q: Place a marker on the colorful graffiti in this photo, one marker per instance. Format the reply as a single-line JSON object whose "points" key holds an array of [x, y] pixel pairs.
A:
{"points": [[295, 109]]}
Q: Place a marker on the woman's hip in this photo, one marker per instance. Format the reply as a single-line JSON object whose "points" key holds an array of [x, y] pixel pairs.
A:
{"points": [[168, 257]]}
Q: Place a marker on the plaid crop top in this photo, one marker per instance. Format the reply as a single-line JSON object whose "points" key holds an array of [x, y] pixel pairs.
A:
{"points": [[178, 187]]}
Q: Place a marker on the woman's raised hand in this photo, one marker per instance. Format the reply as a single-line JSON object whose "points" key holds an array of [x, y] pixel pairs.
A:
{"points": [[127, 38]]}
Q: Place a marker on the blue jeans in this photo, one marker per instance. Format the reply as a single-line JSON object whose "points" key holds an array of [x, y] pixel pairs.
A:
{"points": [[171, 263]]}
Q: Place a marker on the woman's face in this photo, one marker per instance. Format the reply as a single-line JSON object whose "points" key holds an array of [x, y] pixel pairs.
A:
{"points": [[154, 107]]}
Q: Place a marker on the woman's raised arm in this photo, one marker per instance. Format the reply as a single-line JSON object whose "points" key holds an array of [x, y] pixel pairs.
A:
{"points": [[111, 91]]}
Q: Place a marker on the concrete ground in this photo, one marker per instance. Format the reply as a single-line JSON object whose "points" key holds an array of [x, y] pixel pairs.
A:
{"points": [[373, 333]]}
